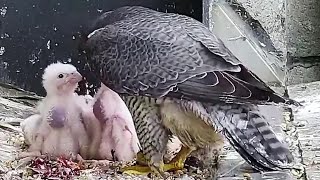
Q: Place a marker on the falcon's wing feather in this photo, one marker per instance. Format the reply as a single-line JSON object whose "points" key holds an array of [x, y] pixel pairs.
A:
{"points": [[141, 52], [191, 27], [250, 134], [135, 61], [255, 159]]}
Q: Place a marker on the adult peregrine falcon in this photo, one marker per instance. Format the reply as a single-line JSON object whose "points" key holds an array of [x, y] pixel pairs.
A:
{"points": [[177, 77]]}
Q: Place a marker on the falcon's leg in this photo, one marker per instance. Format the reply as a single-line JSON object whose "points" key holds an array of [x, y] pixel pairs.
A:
{"points": [[152, 134], [141, 168], [177, 163]]}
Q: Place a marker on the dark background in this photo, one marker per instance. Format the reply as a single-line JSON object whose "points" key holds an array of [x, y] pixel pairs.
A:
{"points": [[36, 33]]}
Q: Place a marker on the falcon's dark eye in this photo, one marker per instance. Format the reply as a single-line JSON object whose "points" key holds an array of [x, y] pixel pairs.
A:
{"points": [[60, 76]]}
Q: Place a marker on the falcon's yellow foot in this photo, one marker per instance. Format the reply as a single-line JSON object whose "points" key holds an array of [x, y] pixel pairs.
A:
{"points": [[142, 168], [137, 170], [177, 163]]}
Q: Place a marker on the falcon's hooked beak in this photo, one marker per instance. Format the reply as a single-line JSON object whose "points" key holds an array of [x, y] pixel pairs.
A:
{"points": [[74, 77]]}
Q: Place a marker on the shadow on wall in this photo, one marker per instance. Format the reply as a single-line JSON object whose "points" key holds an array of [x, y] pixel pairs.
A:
{"points": [[36, 33]]}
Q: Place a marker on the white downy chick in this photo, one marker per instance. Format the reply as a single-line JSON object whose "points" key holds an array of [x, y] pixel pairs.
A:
{"points": [[29, 126], [61, 132], [92, 125], [119, 138]]}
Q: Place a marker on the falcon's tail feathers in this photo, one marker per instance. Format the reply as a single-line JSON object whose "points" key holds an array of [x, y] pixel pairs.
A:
{"points": [[252, 137]]}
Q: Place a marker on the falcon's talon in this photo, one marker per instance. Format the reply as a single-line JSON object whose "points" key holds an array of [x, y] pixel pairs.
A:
{"points": [[177, 163], [136, 170], [175, 166], [142, 170]]}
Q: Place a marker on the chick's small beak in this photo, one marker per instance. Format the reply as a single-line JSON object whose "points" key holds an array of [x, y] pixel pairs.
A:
{"points": [[74, 77]]}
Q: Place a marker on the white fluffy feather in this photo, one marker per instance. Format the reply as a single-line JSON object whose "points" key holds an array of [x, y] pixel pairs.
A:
{"points": [[60, 81]]}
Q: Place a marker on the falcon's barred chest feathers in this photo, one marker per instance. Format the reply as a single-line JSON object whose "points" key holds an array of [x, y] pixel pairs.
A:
{"points": [[177, 77]]}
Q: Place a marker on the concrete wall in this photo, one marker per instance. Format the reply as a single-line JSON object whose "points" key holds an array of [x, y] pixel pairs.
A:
{"points": [[271, 15], [262, 43], [303, 28], [293, 27], [303, 40]]}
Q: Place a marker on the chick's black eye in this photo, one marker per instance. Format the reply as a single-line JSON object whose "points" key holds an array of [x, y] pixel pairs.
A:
{"points": [[60, 76]]}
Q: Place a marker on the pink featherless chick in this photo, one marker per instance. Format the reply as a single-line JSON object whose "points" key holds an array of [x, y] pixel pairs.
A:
{"points": [[92, 124], [61, 131], [119, 138]]}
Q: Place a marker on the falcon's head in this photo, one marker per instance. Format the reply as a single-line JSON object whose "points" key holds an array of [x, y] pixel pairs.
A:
{"points": [[60, 79]]}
